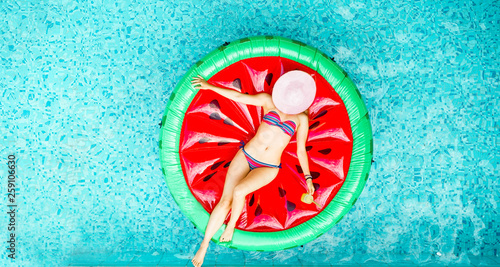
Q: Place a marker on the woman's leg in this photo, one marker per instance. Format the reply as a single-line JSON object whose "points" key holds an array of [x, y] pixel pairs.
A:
{"points": [[254, 180], [238, 169]]}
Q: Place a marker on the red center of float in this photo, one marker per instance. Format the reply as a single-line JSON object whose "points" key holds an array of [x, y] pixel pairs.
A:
{"points": [[214, 126]]}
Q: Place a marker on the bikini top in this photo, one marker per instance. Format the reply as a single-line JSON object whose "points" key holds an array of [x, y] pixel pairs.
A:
{"points": [[273, 118]]}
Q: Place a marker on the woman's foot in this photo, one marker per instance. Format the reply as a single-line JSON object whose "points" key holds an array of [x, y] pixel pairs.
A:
{"points": [[227, 235], [200, 255]]}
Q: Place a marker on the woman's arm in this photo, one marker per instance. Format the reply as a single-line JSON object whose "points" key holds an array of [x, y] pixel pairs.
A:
{"points": [[302, 133], [261, 99]]}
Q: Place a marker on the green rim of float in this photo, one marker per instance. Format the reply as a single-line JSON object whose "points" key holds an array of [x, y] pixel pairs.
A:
{"points": [[262, 46]]}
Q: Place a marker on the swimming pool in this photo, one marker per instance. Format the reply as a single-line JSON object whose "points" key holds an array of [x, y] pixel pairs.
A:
{"points": [[84, 87]]}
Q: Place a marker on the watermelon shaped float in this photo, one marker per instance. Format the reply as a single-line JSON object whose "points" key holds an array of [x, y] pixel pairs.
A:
{"points": [[201, 132]]}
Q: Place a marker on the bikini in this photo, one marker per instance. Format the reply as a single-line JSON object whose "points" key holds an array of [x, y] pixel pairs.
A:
{"points": [[271, 118]]}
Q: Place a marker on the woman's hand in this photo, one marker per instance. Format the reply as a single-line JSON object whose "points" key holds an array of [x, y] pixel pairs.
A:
{"points": [[200, 82], [310, 187], [260, 99]]}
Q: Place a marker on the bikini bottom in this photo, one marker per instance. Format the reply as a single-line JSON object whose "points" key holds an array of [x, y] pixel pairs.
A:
{"points": [[253, 163]]}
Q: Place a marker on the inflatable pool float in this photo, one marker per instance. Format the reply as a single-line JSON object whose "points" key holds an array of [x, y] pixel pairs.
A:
{"points": [[201, 132]]}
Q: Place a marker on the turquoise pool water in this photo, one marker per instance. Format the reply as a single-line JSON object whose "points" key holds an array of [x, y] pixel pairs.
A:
{"points": [[84, 85]]}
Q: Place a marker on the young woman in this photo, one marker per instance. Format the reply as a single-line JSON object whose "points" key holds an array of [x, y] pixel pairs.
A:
{"points": [[257, 163]]}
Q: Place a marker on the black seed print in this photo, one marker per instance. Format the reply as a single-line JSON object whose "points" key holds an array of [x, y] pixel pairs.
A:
{"points": [[269, 78], [252, 200], [215, 104], [215, 116], [314, 125], [316, 187], [315, 174], [290, 206], [216, 165], [221, 143], [281, 191], [204, 140], [227, 164], [321, 114], [258, 211], [237, 83], [325, 151], [228, 121], [308, 148], [208, 177], [299, 169]]}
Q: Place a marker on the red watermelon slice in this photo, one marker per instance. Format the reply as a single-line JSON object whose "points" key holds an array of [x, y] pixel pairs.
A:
{"points": [[214, 126]]}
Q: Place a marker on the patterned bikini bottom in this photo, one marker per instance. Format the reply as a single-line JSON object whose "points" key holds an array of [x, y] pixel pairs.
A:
{"points": [[253, 163]]}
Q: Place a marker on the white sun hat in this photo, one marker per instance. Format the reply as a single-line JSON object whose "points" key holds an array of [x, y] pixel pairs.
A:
{"points": [[294, 92]]}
